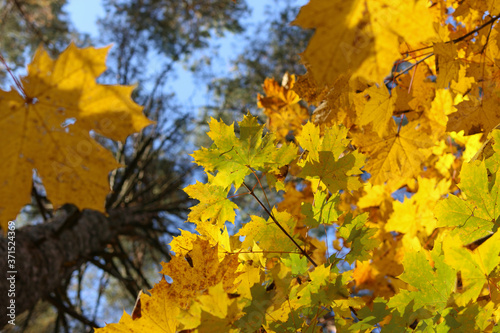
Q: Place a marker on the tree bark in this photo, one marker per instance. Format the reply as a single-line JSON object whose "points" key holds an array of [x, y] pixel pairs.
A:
{"points": [[48, 253]]}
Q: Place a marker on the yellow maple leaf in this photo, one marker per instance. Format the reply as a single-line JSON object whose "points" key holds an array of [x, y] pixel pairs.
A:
{"points": [[156, 314], [214, 205], [377, 200], [472, 143], [374, 195], [193, 275], [47, 127], [364, 274], [269, 236], [395, 158], [378, 109], [328, 158], [471, 12], [442, 163], [475, 116], [293, 199], [212, 312], [415, 215], [308, 89], [436, 117], [199, 269], [334, 101], [415, 90], [362, 36], [183, 244], [449, 66], [463, 83]]}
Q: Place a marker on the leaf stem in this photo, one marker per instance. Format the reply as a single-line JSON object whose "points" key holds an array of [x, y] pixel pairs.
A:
{"points": [[250, 191], [262, 187], [14, 78]]}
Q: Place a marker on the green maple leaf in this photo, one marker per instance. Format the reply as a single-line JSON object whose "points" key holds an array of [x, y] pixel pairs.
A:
{"points": [[269, 236], [433, 282], [478, 214], [404, 321], [473, 318], [312, 293], [475, 266], [233, 157], [254, 312], [356, 232], [297, 263], [334, 173], [490, 151], [326, 159], [323, 288], [370, 317], [333, 140], [322, 211]]}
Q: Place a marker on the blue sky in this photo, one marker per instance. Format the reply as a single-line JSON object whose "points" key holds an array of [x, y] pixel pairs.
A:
{"points": [[84, 13]]}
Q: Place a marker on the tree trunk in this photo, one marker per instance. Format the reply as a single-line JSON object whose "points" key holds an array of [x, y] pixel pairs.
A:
{"points": [[48, 253]]}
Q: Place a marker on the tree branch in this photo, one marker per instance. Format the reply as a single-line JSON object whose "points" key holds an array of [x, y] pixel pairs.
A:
{"points": [[48, 253]]}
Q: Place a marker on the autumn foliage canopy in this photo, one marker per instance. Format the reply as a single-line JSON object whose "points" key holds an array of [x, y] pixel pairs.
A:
{"points": [[385, 154]]}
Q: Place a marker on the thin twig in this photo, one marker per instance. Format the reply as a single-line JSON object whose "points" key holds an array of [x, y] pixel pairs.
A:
{"points": [[70, 311], [262, 187], [470, 33], [18, 84], [459, 39], [411, 66]]}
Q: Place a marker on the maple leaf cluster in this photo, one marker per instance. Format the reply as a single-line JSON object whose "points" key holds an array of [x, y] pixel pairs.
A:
{"points": [[395, 170], [389, 217]]}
